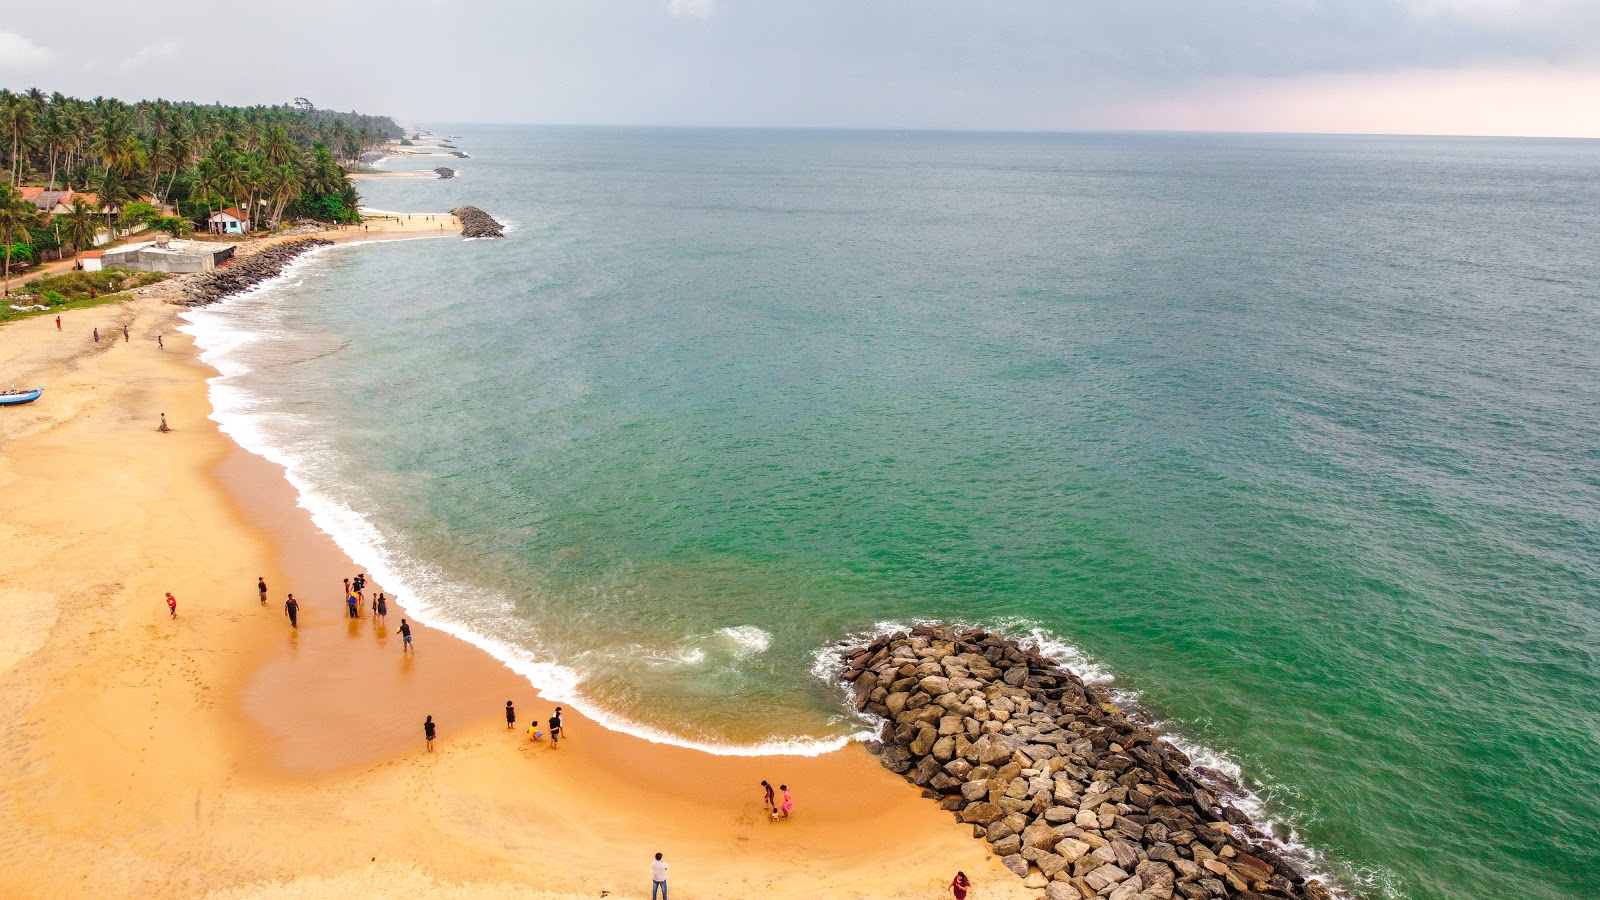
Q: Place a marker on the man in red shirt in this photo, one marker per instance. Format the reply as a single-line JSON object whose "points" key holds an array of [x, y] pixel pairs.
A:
{"points": [[172, 604]]}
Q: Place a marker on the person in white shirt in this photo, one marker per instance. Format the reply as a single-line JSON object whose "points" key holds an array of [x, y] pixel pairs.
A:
{"points": [[658, 878]]}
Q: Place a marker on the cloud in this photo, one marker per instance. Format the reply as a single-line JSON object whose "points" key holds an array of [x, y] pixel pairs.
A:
{"points": [[152, 53], [17, 52], [689, 9]]}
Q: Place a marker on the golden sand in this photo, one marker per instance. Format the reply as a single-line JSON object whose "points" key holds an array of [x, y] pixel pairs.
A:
{"points": [[222, 753]]}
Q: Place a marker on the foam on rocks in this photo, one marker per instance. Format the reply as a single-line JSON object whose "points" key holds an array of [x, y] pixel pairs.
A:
{"points": [[1075, 797]]}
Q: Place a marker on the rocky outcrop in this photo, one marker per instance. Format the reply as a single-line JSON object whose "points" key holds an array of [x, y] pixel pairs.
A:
{"points": [[243, 273], [458, 154], [1072, 794], [444, 172], [477, 223]]}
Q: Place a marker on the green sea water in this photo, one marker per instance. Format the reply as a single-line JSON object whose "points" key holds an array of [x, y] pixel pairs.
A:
{"points": [[1292, 439]]}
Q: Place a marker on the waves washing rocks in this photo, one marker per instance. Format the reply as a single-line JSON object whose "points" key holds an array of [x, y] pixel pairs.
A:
{"points": [[245, 273], [476, 223], [445, 172], [1076, 798]]}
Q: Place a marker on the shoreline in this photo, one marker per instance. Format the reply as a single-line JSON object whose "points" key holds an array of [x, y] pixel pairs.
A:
{"points": [[154, 752]]}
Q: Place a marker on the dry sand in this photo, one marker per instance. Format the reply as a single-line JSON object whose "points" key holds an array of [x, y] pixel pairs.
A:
{"points": [[223, 753]]}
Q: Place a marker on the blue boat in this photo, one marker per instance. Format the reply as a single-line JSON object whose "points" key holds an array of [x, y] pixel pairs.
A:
{"points": [[17, 398]]}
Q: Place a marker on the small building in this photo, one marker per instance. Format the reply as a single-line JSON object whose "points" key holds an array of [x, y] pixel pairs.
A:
{"points": [[92, 260], [167, 256], [228, 221]]}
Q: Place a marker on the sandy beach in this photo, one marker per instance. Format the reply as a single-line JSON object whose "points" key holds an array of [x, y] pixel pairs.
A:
{"points": [[222, 753]]}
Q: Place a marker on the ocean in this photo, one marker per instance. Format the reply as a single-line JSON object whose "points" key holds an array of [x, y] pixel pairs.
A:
{"points": [[1292, 442]]}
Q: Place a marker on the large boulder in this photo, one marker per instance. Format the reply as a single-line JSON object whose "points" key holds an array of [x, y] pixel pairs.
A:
{"points": [[981, 813]]}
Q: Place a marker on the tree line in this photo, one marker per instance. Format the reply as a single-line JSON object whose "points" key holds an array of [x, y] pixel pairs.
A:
{"points": [[269, 162]]}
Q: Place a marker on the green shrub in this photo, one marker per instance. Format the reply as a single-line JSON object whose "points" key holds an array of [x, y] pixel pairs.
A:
{"points": [[52, 298]]}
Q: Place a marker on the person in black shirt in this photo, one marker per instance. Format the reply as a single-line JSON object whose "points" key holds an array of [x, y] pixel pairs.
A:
{"points": [[261, 585], [555, 731], [292, 607], [405, 636], [428, 729]]}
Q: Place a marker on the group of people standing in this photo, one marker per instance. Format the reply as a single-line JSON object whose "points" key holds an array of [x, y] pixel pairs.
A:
{"points": [[534, 733], [354, 598]]}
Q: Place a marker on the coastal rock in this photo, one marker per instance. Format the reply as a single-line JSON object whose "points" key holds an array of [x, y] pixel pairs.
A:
{"points": [[1061, 785], [245, 272], [445, 172], [475, 223]]}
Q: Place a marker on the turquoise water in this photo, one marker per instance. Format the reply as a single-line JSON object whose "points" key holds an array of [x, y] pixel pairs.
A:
{"points": [[1295, 438]]}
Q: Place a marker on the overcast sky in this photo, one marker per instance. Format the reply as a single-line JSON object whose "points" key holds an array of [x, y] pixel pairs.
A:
{"points": [[1410, 66]]}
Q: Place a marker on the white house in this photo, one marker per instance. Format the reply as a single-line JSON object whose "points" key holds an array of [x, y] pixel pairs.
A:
{"points": [[228, 221], [92, 260]]}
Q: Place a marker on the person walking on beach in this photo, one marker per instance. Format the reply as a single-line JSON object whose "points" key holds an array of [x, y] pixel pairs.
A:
{"points": [[405, 637], [511, 716], [381, 605], [58, 323], [658, 878], [788, 801], [97, 334], [163, 426], [292, 607], [766, 796], [172, 605], [428, 731], [555, 731], [959, 885], [559, 723], [125, 337], [261, 585], [159, 345]]}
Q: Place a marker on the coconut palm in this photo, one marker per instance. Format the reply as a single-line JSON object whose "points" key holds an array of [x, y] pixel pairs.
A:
{"points": [[82, 225], [16, 214]]}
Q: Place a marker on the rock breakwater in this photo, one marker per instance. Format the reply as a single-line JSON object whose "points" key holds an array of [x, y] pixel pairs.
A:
{"points": [[477, 223], [1075, 797], [445, 172], [246, 272]]}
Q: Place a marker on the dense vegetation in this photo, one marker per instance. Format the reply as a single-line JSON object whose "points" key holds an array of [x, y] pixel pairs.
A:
{"points": [[271, 162]]}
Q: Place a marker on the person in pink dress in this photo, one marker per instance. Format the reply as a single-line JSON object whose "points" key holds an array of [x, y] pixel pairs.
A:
{"points": [[788, 801], [959, 885]]}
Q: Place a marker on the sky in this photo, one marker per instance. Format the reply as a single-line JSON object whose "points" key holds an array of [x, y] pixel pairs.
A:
{"points": [[1487, 67]]}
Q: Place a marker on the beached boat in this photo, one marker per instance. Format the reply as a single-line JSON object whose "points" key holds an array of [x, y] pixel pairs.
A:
{"points": [[17, 398]]}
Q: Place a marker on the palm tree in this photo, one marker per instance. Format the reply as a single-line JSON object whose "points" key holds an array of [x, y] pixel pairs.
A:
{"points": [[283, 183], [16, 117], [16, 214], [82, 226], [113, 193]]}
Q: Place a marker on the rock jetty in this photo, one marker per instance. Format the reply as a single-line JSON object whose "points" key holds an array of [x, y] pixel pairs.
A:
{"points": [[444, 172], [244, 273], [459, 155], [477, 223], [1075, 797]]}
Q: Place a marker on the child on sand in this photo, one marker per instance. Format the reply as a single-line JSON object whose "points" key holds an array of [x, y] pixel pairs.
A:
{"points": [[555, 731], [428, 729], [767, 797], [261, 585], [405, 637], [172, 605], [533, 732], [788, 801], [511, 716]]}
